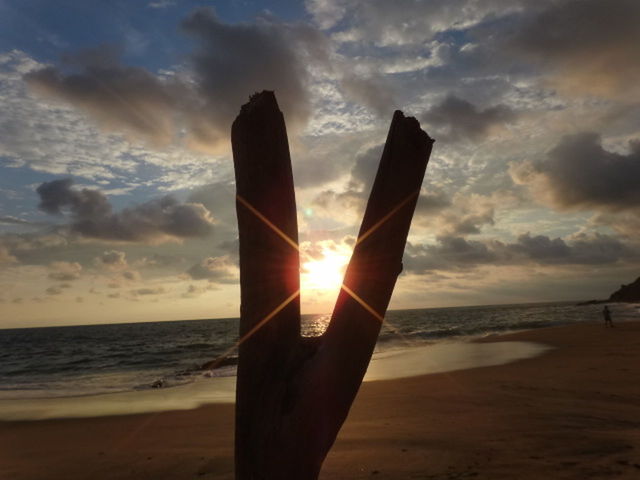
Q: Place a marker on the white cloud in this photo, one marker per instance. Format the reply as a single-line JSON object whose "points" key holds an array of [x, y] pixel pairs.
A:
{"points": [[402, 22]]}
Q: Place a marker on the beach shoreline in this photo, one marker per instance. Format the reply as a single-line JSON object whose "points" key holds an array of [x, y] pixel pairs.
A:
{"points": [[408, 360], [572, 412]]}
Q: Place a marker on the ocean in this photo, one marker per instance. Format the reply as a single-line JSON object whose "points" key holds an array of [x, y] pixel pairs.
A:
{"points": [[77, 361]]}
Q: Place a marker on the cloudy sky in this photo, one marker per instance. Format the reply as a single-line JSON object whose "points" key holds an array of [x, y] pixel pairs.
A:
{"points": [[116, 180]]}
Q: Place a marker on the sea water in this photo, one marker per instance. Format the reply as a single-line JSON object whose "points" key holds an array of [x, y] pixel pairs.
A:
{"points": [[136, 360]]}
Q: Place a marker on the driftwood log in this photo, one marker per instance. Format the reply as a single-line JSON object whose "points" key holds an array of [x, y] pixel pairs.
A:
{"points": [[294, 393]]}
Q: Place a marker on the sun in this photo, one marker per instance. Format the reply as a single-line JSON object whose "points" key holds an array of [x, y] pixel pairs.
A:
{"points": [[325, 273]]}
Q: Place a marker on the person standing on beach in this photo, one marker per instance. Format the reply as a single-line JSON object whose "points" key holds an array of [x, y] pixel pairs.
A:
{"points": [[607, 317]]}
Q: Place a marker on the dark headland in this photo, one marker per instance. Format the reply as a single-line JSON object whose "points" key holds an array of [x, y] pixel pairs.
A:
{"points": [[626, 293]]}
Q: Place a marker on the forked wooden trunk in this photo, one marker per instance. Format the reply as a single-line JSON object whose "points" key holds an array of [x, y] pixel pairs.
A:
{"points": [[294, 393]]}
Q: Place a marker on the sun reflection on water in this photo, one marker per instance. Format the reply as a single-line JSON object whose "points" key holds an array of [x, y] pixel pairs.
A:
{"points": [[315, 325]]}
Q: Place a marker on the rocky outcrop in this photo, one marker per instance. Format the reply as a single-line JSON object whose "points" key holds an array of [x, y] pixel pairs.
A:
{"points": [[627, 293]]}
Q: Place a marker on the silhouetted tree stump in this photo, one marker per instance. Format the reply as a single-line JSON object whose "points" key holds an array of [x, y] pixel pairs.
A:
{"points": [[294, 393]]}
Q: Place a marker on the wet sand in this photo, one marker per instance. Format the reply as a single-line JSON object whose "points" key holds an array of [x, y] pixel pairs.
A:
{"points": [[572, 413]]}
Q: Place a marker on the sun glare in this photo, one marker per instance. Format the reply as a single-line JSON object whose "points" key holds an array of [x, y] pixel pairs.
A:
{"points": [[325, 274]]}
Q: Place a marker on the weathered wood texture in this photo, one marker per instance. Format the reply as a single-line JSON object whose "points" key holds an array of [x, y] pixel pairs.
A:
{"points": [[294, 393]]}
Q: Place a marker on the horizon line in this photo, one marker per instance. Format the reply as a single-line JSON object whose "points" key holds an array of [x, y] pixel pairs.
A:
{"points": [[302, 315]]}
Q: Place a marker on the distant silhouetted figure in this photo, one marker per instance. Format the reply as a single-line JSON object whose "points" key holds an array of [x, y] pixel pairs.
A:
{"points": [[607, 317]]}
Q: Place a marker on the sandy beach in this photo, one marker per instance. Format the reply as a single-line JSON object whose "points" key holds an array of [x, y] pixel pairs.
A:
{"points": [[571, 413]]}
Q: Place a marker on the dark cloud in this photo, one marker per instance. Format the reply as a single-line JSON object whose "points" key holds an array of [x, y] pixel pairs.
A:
{"points": [[590, 45], [234, 61], [195, 291], [231, 249], [118, 96], [217, 197], [231, 62], [457, 119], [625, 223], [57, 194], [113, 259], [450, 252], [431, 202], [152, 222], [25, 242], [581, 249], [598, 249], [146, 291], [364, 170], [458, 253], [324, 158], [464, 214], [53, 291], [467, 224], [316, 168], [214, 269], [131, 275], [38, 248], [541, 248], [371, 91], [580, 173], [353, 198]]}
